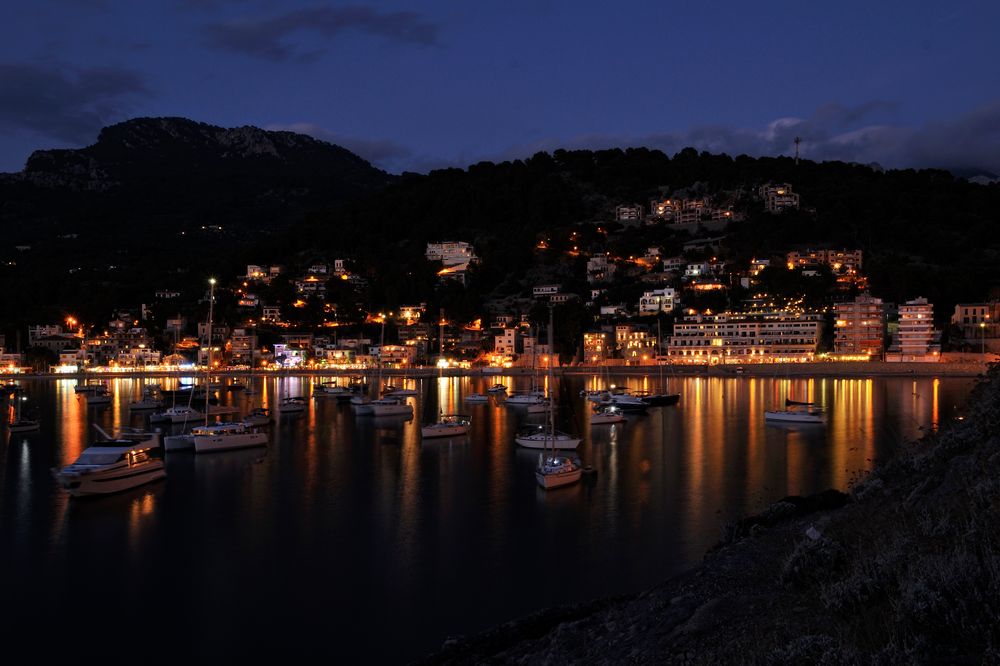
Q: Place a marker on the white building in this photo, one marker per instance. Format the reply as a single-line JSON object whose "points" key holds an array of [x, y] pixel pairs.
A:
{"points": [[734, 337], [451, 253], [696, 270], [916, 339], [657, 300]]}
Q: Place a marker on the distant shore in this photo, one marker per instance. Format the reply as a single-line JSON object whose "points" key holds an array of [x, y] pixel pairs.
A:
{"points": [[774, 370]]}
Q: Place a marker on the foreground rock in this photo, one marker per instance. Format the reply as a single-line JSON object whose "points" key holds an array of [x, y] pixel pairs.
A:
{"points": [[906, 571]]}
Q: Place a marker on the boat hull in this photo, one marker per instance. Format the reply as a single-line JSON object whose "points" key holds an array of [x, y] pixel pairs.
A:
{"points": [[210, 443], [558, 479], [791, 417], [606, 419], [115, 481], [662, 400], [24, 426], [178, 443], [546, 442], [430, 432]]}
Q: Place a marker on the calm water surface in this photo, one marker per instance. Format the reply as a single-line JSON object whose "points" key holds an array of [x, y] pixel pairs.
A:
{"points": [[350, 538]]}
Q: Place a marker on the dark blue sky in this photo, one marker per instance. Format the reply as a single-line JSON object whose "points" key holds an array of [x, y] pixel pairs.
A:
{"points": [[434, 83]]}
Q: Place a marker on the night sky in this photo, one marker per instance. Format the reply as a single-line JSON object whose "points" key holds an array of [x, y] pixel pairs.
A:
{"points": [[420, 85]]}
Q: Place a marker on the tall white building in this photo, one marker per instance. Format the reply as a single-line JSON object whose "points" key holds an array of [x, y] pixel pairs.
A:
{"points": [[916, 339]]}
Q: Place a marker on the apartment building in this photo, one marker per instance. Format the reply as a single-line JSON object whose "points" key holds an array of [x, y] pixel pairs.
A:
{"points": [[736, 337], [859, 327]]}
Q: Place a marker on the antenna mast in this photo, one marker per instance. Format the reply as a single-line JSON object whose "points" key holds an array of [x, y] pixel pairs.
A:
{"points": [[798, 140]]}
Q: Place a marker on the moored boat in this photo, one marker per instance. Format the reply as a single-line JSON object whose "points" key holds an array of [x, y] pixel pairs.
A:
{"points": [[607, 415], [556, 471], [452, 425], [226, 436], [797, 414], [541, 438], [114, 465], [390, 407]]}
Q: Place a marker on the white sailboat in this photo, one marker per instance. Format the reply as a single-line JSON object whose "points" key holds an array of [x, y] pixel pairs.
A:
{"points": [[533, 396], [555, 471], [222, 436], [452, 425]]}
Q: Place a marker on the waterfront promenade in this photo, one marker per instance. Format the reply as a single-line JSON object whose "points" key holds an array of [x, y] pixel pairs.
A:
{"points": [[960, 368]]}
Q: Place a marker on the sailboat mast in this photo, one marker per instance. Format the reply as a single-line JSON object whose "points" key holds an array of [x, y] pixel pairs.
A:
{"points": [[552, 420], [208, 336]]}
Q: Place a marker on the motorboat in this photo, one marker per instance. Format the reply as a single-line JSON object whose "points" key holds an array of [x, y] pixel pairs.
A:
{"points": [[258, 416], [114, 464], [541, 438], [177, 414], [477, 398], [390, 407], [607, 415], [596, 395], [497, 388], [452, 425], [225, 436], [292, 405], [556, 471], [86, 388], [805, 413]]}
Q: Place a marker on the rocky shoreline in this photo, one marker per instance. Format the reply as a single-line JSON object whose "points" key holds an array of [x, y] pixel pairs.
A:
{"points": [[905, 569]]}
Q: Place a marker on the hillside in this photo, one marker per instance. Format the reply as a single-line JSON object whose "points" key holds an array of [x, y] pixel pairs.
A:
{"points": [[906, 572], [163, 203], [157, 203]]}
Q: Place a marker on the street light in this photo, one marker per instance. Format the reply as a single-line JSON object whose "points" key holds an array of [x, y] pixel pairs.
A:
{"points": [[982, 329]]}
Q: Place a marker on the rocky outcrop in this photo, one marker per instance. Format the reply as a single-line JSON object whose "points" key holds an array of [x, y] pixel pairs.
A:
{"points": [[905, 570]]}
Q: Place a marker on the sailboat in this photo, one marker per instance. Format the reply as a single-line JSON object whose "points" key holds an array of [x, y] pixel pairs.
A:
{"points": [[387, 405], [555, 471], [362, 403], [533, 396], [547, 437], [660, 399], [21, 424], [221, 436]]}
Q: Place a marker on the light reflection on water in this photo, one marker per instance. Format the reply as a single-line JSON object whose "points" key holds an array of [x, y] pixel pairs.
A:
{"points": [[348, 528]]}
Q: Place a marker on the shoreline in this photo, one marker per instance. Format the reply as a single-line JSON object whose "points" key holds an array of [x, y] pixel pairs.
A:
{"points": [[772, 371]]}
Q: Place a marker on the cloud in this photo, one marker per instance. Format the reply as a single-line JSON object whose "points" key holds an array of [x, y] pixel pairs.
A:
{"points": [[64, 102], [268, 37], [832, 132]]}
